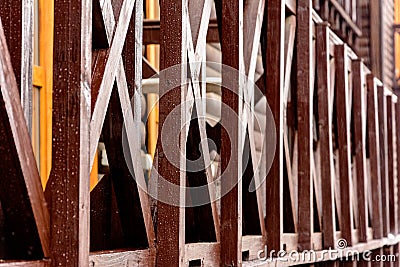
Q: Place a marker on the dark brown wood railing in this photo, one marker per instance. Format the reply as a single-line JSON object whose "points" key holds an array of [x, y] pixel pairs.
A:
{"points": [[326, 176]]}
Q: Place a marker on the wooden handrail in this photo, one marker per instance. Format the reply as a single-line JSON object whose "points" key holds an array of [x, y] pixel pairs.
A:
{"points": [[346, 17]]}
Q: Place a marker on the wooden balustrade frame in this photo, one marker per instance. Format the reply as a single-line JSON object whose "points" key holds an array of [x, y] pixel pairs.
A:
{"points": [[333, 177]]}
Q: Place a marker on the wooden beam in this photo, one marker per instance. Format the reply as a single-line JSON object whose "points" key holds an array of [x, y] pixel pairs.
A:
{"points": [[397, 114], [170, 216], [18, 28], [68, 187], [390, 162], [325, 135], [151, 32], [359, 111], [346, 17], [41, 263], [104, 74], [305, 119], [375, 39], [231, 160], [374, 158], [273, 52], [343, 121], [123, 258], [21, 195], [382, 116]]}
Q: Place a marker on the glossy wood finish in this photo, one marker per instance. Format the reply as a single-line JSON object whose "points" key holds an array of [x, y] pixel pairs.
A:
{"points": [[67, 192], [333, 172]]}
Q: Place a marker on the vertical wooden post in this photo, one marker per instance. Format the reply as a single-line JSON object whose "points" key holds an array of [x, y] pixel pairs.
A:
{"points": [[390, 162], [360, 135], [17, 22], [325, 139], [374, 158], [274, 71], [343, 121], [68, 187], [24, 210], [170, 222], [397, 114], [383, 159], [232, 69], [305, 113]]}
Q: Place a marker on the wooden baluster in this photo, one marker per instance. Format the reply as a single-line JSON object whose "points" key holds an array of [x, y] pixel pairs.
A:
{"points": [[325, 131], [170, 221], [305, 113], [343, 121], [231, 159], [274, 20], [359, 111], [374, 157], [383, 159], [68, 186], [390, 164]]}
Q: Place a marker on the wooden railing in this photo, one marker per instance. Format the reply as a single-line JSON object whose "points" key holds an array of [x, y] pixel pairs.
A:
{"points": [[343, 16], [327, 173]]}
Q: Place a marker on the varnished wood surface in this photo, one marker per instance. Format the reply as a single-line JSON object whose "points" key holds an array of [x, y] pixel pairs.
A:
{"points": [[325, 130], [342, 94], [334, 156], [22, 196], [305, 107], [274, 82], [231, 165], [359, 109], [67, 191]]}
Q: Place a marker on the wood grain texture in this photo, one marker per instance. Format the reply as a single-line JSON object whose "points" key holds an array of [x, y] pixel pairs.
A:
{"points": [[390, 164], [104, 77], [343, 121], [170, 216], [30, 215], [325, 135], [135, 258], [42, 263], [305, 113], [382, 117], [18, 24], [196, 96], [397, 114], [374, 157], [359, 111], [273, 57], [231, 47], [127, 175], [67, 191]]}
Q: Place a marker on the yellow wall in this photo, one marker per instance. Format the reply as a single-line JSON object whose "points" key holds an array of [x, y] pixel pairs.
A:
{"points": [[42, 91], [153, 52]]}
